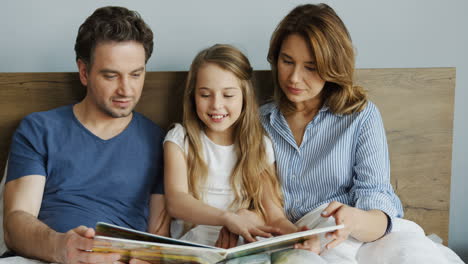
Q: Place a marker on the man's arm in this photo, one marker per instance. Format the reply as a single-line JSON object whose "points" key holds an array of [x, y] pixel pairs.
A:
{"points": [[159, 219], [29, 237]]}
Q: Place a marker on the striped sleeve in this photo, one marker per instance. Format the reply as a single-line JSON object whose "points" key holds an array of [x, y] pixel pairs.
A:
{"points": [[372, 188]]}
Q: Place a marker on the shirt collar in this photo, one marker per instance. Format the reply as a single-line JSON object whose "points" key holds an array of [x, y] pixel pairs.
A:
{"points": [[272, 110]]}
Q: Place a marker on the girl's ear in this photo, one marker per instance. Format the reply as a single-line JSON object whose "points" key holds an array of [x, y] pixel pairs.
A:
{"points": [[83, 72]]}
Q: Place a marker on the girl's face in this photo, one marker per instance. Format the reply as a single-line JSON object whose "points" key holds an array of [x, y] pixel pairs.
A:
{"points": [[218, 99], [297, 74]]}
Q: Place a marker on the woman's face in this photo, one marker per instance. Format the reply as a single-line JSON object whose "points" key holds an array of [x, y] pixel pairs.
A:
{"points": [[297, 74]]}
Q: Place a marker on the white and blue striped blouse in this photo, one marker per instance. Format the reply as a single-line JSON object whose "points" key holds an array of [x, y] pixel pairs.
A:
{"points": [[341, 158]]}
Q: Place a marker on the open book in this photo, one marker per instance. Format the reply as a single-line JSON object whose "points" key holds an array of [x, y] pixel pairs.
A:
{"points": [[158, 249]]}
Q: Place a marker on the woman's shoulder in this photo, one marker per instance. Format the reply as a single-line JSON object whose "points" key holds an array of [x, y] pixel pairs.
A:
{"points": [[370, 110], [267, 108]]}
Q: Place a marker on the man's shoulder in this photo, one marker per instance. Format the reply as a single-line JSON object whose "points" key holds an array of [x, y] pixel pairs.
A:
{"points": [[49, 117]]}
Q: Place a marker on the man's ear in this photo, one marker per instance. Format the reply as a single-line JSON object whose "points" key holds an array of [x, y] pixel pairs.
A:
{"points": [[83, 72]]}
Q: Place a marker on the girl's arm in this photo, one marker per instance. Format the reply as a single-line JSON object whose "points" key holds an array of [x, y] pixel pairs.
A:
{"points": [[275, 217], [274, 212], [182, 205]]}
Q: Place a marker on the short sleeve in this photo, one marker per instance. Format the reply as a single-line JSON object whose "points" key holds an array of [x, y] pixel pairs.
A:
{"points": [[28, 151], [177, 136], [269, 150]]}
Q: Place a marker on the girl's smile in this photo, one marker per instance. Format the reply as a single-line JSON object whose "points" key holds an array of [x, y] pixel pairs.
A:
{"points": [[218, 99]]}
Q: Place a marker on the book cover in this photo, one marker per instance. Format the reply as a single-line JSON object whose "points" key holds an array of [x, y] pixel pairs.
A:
{"points": [[158, 249]]}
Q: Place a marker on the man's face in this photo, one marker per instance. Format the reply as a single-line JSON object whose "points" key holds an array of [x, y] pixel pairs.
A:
{"points": [[115, 78]]}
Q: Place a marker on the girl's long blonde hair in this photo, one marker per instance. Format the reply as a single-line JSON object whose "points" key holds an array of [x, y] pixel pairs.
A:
{"points": [[252, 174]]}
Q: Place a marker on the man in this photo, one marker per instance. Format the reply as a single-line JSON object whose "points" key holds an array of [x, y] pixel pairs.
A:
{"points": [[97, 160]]}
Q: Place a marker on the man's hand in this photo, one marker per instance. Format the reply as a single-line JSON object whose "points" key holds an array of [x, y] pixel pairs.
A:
{"points": [[73, 247]]}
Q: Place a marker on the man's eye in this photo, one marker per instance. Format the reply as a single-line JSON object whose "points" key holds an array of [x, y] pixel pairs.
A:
{"points": [[110, 76], [136, 75]]}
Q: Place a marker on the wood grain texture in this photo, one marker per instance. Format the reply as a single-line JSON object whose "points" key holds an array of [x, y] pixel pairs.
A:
{"points": [[417, 109], [416, 106]]}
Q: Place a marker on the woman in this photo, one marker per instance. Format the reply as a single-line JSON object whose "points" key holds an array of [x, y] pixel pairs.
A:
{"points": [[329, 140], [328, 137]]}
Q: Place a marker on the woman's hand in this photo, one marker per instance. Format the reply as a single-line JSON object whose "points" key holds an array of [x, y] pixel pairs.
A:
{"points": [[365, 226], [312, 244], [345, 215]]}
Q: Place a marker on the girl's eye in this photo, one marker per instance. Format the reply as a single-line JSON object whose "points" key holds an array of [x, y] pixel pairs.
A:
{"points": [[228, 95], [310, 68], [204, 95], [287, 61]]}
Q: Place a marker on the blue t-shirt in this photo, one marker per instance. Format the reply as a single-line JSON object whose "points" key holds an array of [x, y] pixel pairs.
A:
{"points": [[89, 179]]}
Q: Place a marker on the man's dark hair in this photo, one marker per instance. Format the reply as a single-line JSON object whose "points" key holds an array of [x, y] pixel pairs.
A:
{"points": [[112, 23]]}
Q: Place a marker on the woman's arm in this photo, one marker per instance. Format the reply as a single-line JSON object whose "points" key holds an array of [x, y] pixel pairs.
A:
{"points": [[375, 203], [365, 226]]}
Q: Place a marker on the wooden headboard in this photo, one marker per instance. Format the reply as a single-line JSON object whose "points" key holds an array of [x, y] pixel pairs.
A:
{"points": [[416, 105]]}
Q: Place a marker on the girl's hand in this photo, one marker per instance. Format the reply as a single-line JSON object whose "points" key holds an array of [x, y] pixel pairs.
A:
{"points": [[246, 227], [343, 214], [312, 244], [226, 239]]}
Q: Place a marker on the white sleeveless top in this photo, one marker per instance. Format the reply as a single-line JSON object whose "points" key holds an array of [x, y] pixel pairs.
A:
{"points": [[216, 191]]}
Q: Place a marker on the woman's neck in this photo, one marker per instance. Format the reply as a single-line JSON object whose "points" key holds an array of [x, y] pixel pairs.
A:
{"points": [[306, 109]]}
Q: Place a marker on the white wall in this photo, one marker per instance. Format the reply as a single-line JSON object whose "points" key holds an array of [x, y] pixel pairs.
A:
{"points": [[38, 36]]}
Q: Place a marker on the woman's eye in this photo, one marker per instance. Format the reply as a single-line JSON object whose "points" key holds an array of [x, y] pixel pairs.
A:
{"points": [[311, 68], [228, 95], [205, 95], [287, 62]]}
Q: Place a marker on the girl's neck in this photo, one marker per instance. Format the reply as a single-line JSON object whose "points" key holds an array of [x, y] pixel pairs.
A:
{"points": [[222, 138]]}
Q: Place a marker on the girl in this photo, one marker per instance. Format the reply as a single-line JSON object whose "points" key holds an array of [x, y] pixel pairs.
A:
{"points": [[219, 164]]}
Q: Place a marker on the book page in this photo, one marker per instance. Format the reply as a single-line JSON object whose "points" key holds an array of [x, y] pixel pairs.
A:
{"points": [[275, 243], [109, 230]]}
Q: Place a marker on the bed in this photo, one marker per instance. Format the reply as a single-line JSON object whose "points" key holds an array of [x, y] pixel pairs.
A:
{"points": [[416, 105]]}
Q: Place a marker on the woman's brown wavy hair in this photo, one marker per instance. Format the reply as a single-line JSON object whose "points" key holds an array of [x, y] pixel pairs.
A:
{"points": [[331, 47]]}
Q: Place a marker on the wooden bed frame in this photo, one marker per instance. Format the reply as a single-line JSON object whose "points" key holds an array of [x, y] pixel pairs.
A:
{"points": [[416, 105]]}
